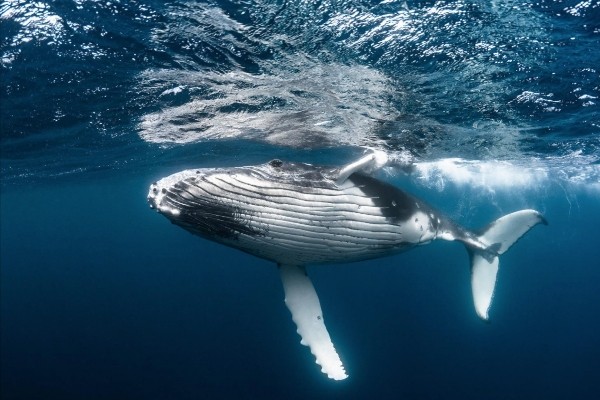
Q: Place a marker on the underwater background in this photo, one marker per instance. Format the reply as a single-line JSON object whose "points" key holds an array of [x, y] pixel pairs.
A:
{"points": [[484, 107]]}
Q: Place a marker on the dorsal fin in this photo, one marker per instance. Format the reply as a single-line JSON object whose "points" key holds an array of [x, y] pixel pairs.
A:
{"points": [[374, 160]]}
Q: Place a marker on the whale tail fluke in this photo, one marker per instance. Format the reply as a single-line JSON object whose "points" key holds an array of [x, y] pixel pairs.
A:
{"points": [[496, 238]]}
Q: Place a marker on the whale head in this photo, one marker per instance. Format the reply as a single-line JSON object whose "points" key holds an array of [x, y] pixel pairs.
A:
{"points": [[189, 199]]}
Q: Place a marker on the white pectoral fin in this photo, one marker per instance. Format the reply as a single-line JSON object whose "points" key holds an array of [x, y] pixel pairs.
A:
{"points": [[372, 161], [302, 301]]}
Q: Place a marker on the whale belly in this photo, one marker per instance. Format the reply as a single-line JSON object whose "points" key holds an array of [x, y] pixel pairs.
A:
{"points": [[291, 222]]}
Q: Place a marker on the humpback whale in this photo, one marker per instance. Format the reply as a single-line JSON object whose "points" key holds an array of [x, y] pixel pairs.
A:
{"points": [[298, 214]]}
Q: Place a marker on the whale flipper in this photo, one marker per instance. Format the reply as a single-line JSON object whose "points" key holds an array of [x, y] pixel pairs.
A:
{"points": [[372, 161], [303, 302], [497, 237]]}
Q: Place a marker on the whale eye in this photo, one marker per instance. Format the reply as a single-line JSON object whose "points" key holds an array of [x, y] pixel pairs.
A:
{"points": [[276, 163], [164, 190]]}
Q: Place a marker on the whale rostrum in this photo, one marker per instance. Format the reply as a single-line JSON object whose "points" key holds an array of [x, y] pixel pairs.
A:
{"points": [[298, 214]]}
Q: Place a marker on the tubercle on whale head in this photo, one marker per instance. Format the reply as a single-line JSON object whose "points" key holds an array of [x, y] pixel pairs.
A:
{"points": [[161, 188], [152, 194], [155, 195]]}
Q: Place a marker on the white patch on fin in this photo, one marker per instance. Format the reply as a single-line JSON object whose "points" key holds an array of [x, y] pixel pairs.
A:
{"points": [[507, 230], [302, 301], [483, 281], [374, 160]]}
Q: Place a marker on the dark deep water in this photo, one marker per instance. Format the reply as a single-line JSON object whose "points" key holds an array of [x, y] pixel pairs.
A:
{"points": [[494, 105]]}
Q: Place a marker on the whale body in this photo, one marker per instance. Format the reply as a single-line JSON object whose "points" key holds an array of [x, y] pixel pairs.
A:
{"points": [[298, 214]]}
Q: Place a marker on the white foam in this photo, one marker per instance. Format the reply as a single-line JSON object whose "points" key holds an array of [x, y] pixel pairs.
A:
{"points": [[492, 176], [173, 91]]}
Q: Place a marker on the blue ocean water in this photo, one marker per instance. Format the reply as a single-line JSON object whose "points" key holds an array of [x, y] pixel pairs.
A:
{"points": [[485, 108]]}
